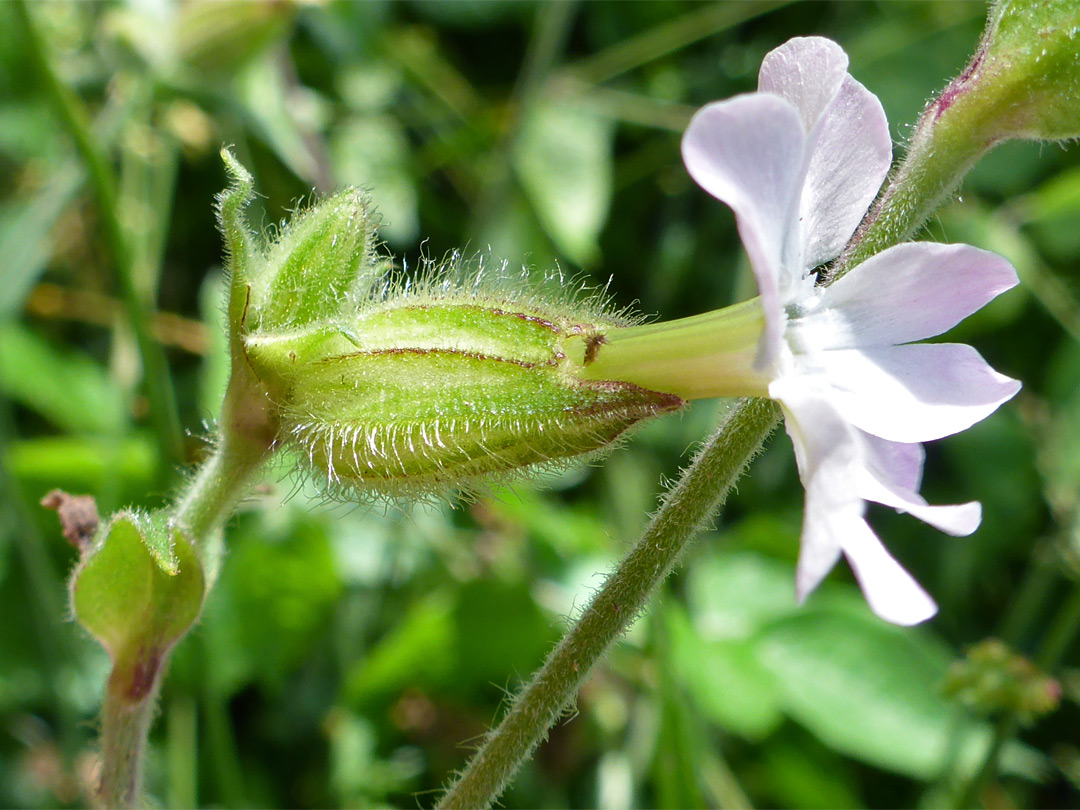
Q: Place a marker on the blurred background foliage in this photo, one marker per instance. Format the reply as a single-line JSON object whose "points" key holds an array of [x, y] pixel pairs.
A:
{"points": [[350, 656]]}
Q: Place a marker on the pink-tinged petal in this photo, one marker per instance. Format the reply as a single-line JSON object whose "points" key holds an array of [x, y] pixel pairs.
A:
{"points": [[748, 153], [850, 153], [892, 592], [807, 72], [891, 474], [909, 292], [897, 462], [911, 393]]}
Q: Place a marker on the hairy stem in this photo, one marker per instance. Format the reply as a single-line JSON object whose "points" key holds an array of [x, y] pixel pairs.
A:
{"points": [[685, 511], [71, 113], [130, 699], [217, 487], [207, 502]]}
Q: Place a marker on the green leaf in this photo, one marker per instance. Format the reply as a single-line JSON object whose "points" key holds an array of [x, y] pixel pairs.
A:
{"points": [[373, 152], [273, 603], [725, 679], [418, 651], [734, 594], [870, 690], [113, 467], [67, 387], [140, 588], [563, 158], [24, 235]]}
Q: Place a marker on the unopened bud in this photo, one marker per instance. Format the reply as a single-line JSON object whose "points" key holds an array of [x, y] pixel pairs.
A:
{"points": [[406, 386], [1022, 82], [993, 678]]}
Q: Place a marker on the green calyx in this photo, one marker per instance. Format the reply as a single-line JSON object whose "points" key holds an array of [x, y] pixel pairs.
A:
{"points": [[400, 386], [1022, 82], [1028, 70], [445, 385]]}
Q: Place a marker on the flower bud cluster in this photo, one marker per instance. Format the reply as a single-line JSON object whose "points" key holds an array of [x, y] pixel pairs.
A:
{"points": [[993, 678], [393, 385]]}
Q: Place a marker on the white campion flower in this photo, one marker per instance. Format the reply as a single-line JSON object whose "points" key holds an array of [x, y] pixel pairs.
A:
{"points": [[799, 162]]}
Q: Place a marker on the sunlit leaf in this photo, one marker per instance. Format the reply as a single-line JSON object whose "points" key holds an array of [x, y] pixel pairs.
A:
{"points": [[563, 159]]}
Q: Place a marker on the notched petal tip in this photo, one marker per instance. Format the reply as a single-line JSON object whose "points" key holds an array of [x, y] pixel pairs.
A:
{"points": [[807, 72]]}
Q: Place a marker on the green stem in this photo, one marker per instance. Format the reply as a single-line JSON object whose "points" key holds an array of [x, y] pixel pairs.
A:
{"points": [[159, 389], [130, 698], [685, 511], [217, 487], [209, 499], [956, 129]]}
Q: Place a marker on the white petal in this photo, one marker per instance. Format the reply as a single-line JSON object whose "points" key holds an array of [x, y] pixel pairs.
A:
{"points": [[850, 153], [908, 292], [911, 393], [958, 520], [900, 463], [890, 590], [819, 552], [748, 153], [824, 441], [826, 453], [808, 72]]}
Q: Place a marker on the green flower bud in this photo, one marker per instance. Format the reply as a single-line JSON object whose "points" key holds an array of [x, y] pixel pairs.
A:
{"points": [[994, 678], [318, 266], [397, 386], [1022, 82]]}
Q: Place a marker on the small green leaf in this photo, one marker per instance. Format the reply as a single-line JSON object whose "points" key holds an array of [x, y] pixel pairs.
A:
{"points": [[140, 588], [24, 235], [563, 158]]}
